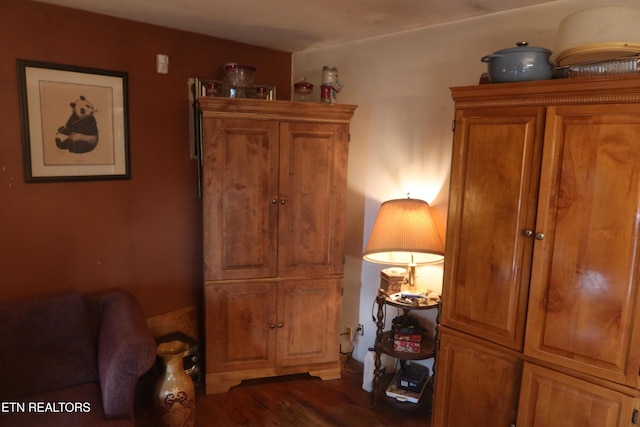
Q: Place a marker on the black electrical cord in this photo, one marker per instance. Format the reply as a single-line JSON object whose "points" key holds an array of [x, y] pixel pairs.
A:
{"points": [[373, 314]]}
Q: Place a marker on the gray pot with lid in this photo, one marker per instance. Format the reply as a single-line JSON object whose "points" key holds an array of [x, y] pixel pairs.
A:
{"points": [[519, 64]]}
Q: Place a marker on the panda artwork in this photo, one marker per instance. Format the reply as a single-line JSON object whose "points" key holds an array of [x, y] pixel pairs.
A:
{"points": [[80, 134]]}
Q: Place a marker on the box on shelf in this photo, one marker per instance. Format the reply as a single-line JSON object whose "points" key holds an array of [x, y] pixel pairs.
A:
{"points": [[407, 334], [415, 337], [391, 279], [403, 395], [406, 346], [413, 377]]}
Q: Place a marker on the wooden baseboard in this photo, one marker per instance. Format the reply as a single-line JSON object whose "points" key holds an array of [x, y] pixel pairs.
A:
{"points": [[221, 382]]}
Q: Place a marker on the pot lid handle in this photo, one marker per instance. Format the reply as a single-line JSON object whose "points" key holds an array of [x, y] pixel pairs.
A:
{"points": [[522, 44], [488, 58]]}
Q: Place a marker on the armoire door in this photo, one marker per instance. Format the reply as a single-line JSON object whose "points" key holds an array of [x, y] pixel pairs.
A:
{"points": [[476, 384], [583, 310], [552, 399], [240, 198], [313, 173], [308, 316], [241, 326], [494, 185]]}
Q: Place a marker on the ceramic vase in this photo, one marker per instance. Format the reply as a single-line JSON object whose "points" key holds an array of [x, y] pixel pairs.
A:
{"points": [[175, 398]]}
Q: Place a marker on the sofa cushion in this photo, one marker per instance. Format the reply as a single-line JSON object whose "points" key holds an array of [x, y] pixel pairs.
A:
{"points": [[78, 406], [46, 344]]}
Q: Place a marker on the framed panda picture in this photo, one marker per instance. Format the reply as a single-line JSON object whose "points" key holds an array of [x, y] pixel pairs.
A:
{"points": [[74, 122]]}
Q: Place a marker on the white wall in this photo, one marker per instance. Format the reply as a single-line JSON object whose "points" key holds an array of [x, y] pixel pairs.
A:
{"points": [[401, 131]]}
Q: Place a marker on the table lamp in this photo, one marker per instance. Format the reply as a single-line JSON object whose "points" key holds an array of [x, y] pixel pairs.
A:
{"points": [[404, 234]]}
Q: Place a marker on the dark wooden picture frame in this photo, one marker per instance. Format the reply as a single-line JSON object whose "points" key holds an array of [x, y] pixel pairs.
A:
{"points": [[74, 122]]}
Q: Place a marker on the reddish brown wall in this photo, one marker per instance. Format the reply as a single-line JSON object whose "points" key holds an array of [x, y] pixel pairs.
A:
{"points": [[141, 234]]}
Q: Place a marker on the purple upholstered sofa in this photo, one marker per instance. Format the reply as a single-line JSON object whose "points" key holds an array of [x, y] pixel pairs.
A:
{"points": [[72, 360]]}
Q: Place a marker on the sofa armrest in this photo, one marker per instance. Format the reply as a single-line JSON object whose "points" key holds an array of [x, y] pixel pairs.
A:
{"points": [[126, 350]]}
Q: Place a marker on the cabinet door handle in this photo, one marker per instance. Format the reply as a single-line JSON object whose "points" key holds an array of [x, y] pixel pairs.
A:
{"points": [[539, 236], [283, 201], [528, 233], [274, 201], [280, 325], [272, 326]]}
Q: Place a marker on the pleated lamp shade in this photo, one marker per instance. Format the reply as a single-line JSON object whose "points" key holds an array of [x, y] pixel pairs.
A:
{"points": [[404, 233]]}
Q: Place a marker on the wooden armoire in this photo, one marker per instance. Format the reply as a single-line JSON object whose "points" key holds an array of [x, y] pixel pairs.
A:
{"points": [[274, 184], [540, 323]]}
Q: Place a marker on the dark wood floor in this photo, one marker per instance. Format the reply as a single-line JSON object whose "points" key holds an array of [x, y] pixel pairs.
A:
{"points": [[300, 401]]}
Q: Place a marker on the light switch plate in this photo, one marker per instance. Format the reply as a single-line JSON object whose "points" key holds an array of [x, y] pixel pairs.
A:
{"points": [[162, 63]]}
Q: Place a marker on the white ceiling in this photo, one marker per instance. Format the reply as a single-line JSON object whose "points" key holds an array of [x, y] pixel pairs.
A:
{"points": [[295, 25]]}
